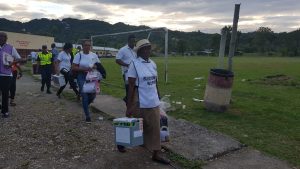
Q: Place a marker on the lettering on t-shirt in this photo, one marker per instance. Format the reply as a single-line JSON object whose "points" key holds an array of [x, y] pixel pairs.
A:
{"points": [[150, 80]]}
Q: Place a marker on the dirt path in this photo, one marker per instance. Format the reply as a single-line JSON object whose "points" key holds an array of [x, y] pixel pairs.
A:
{"points": [[46, 132]]}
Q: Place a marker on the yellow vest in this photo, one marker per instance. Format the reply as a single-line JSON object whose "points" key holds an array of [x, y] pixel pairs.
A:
{"points": [[74, 51], [45, 58]]}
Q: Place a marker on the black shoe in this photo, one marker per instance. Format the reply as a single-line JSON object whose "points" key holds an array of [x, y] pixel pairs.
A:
{"points": [[78, 97], [49, 92], [88, 120], [58, 95], [121, 149], [42, 88], [5, 115]]}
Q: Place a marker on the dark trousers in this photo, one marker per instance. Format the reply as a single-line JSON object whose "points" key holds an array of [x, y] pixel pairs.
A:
{"points": [[46, 75], [70, 79], [125, 99], [4, 88], [13, 85]]}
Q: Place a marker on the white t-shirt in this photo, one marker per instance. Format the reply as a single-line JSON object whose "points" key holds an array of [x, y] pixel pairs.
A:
{"points": [[15, 55], [86, 60], [33, 55], [146, 77], [126, 54], [64, 59]]}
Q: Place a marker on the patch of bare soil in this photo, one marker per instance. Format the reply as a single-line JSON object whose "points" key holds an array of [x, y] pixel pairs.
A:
{"points": [[279, 79]]}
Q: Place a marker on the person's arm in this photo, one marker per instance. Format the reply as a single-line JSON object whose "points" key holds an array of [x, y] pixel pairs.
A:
{"points": [[119, 57], [120, 62], [15, 54], [19, 70], [131, 92], [132, 77]]}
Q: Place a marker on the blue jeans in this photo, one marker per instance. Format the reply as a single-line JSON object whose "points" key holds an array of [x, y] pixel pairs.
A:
{"points": [[87, 98]]}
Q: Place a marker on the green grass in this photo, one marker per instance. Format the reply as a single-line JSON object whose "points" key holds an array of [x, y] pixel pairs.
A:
{"points": [[262, 116]]}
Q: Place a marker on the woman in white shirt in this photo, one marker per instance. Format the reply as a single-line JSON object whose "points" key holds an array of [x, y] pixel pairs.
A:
{"points": [[64, 67], [142, 79], [82, 63]]}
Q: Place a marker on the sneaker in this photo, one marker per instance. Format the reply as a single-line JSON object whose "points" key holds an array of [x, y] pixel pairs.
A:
{"points": [[88, 120], [5, 115], [49, 92]]}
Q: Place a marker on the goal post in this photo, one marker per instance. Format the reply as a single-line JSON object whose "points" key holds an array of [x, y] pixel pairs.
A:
{"points": [[163, 29]]}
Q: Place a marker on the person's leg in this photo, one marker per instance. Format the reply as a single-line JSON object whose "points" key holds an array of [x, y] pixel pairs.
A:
{"points": [[91, 97], [43, 75], [85, 105], [85, 97], [4, 87], [62, 87], [48, 78], [73, 84], [13, 89], [126, 90], [151, 130]]}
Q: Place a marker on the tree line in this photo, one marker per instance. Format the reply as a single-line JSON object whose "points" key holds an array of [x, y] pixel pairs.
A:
{"points": [[263, 41]]}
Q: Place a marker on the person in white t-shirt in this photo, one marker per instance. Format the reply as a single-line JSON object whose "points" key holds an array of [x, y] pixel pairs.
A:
{"points": [[63, 66], [83, 62], [8, 56], [143, 98], [124, 57]]}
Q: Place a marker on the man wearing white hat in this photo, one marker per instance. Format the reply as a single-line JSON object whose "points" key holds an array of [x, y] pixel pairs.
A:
{"points": [[143, 98]]}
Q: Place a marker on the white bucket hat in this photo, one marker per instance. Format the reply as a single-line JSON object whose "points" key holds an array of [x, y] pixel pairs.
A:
{"points": [[141, 43]]}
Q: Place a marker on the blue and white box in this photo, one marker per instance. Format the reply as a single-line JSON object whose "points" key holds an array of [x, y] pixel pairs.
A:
{"points": [[59, 80], [128, 131]]}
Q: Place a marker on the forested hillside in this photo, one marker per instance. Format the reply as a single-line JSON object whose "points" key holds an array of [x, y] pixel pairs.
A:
{"points": [[263, 40]]}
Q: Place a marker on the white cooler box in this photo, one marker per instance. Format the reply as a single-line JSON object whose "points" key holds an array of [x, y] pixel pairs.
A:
{"points": [[128, 131], [59, 80]]}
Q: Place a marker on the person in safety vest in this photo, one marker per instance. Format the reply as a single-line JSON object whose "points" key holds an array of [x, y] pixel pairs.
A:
{"points": [[44, 64]]}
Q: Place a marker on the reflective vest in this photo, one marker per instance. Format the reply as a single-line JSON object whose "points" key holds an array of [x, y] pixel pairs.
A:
{"points": [[45, 58], [74, 51]]}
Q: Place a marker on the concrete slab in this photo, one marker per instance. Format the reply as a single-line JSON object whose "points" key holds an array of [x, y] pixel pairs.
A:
{"points": [[247, 158], [109, 105], [187, 139], [196, 142]]}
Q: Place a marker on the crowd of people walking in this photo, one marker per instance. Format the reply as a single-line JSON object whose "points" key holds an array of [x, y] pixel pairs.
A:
{"points": [[139, 74]]}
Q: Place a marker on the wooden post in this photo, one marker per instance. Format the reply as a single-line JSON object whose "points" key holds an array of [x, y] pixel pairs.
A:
{"points": [[166, 54], [222, 48], [233, 35]]}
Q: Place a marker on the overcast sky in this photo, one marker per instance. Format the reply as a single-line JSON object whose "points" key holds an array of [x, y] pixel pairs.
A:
{"points": [[185, 15]]}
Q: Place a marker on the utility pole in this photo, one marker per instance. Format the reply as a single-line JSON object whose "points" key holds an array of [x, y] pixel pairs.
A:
{"points": [[233, 35], [222, 48]]}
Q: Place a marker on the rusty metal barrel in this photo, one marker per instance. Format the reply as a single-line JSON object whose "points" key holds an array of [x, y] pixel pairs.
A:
{"points": [[218, 90]]}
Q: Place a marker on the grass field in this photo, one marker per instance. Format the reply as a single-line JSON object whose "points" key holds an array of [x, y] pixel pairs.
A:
{"points": [[265, 111]]}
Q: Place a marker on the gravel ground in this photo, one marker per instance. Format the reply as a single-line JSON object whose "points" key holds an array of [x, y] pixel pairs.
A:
{"points": [[46, 132]]}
